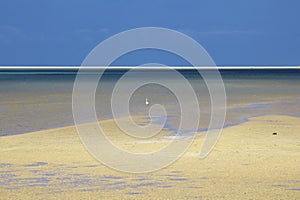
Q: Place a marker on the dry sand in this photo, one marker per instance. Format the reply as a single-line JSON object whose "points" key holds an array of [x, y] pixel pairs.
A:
{"points": [[248, 162]]}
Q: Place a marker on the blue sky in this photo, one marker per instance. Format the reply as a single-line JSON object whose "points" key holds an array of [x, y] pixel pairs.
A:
{"points": [[234, 32]]}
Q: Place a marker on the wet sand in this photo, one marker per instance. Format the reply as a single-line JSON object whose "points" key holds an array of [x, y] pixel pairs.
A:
{"points": [[248, 162]]}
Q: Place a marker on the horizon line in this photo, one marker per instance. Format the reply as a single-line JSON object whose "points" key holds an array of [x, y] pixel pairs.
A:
{"points": [[143, 67]]}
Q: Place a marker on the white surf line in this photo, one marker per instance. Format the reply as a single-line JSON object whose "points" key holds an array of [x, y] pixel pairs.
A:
{"points": [[141, 67]]}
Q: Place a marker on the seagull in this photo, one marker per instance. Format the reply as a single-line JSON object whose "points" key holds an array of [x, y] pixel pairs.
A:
{"points": [[146, 102]]}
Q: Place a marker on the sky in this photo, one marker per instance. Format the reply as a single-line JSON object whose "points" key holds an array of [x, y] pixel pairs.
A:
{"points": [[233, 32]]}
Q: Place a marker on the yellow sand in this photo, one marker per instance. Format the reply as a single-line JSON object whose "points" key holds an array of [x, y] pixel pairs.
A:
{"points": [[248, 162]]}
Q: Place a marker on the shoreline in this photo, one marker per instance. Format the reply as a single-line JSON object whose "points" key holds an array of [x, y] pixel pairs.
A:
{"points": [[169, 128]]}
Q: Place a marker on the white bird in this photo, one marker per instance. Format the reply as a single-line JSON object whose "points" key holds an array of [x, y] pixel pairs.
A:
{"points": [[146, 102]]}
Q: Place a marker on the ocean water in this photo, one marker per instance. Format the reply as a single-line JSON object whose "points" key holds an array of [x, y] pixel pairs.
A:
{"points": [[37, 100]]}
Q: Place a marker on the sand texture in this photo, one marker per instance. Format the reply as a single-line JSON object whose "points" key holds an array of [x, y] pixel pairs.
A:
{"points": [[248, 162]]}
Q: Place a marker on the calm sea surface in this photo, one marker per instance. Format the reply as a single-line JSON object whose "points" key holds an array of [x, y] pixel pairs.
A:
{"points": [[32, 100]]}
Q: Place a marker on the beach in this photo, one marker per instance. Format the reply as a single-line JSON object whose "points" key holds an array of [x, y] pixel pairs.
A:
{"points": [[256, 157], [248, 162], [149, 100]]}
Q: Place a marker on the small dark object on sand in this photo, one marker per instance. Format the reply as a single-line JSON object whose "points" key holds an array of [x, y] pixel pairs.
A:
{"points": [[274, 133]]}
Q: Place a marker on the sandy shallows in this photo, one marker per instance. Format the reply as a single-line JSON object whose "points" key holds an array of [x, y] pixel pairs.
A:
{"points": [[249, 162]]}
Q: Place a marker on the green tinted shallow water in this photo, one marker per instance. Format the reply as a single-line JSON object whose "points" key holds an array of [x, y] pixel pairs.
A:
{"points": [[34, 101]]}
